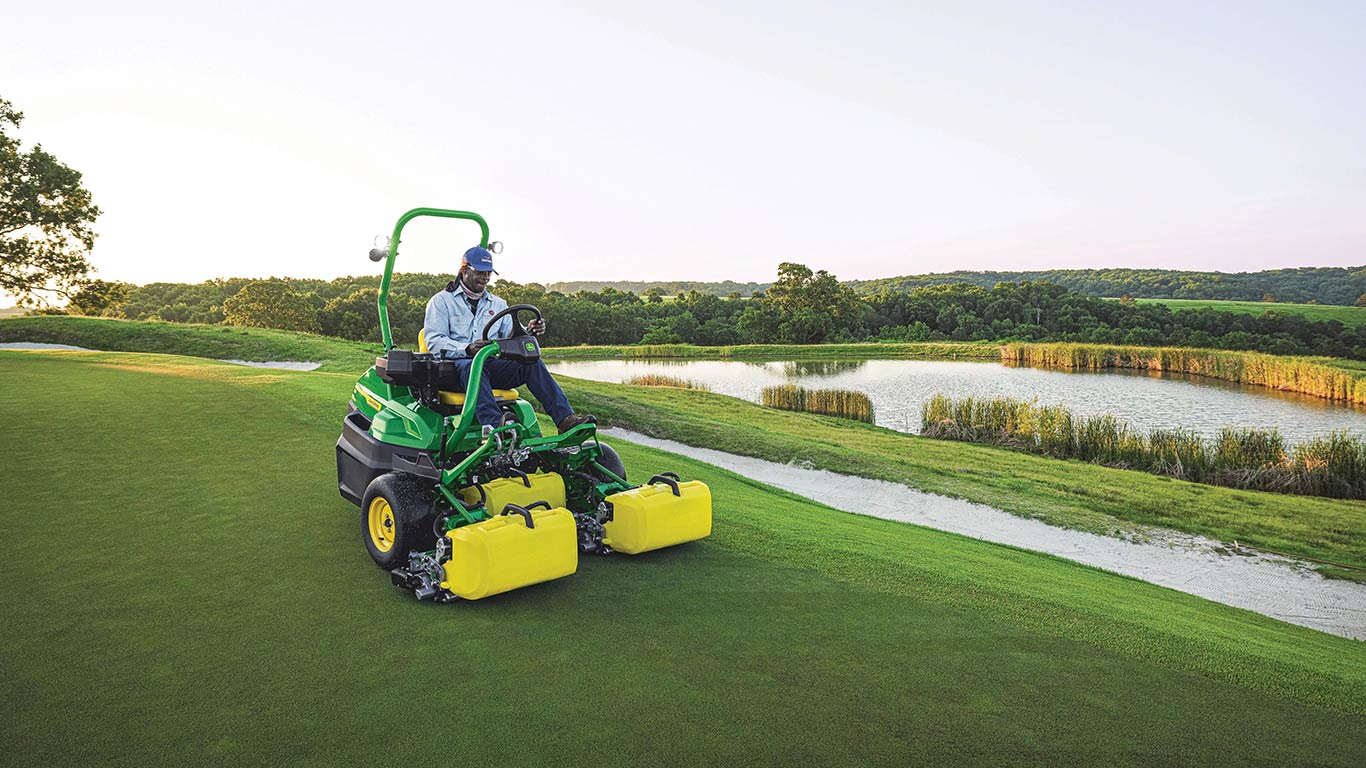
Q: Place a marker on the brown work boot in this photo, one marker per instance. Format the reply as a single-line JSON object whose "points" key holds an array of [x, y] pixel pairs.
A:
{"points": [[574, 420]]}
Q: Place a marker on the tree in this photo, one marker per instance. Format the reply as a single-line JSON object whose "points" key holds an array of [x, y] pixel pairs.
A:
{"points": [[98, 297], [272, 304], [1268, 296], [1361, 300], [352, 316], [810, 306], [46, 220], [1126, 299]]}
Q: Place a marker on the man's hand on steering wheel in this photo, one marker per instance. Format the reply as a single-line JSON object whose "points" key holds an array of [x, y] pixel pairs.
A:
{"points": [[517, 328], [536, 327]]}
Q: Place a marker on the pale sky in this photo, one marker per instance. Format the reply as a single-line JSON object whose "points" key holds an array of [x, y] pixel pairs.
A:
{"points": [[703, 141]]}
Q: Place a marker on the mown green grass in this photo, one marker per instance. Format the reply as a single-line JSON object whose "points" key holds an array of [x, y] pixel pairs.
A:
{"points": [[184, 586], [213, 341], [1348, 316]]}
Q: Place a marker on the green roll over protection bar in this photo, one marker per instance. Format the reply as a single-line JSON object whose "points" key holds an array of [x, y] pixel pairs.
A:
{"points": [[393, 254]]}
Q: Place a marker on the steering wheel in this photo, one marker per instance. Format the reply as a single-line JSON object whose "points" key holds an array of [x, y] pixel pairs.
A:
{"points": [[517, 328]]}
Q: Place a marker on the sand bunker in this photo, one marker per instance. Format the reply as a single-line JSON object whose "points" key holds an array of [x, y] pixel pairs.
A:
{"points": [[289, 365], [1278, 587], [36, 345]]}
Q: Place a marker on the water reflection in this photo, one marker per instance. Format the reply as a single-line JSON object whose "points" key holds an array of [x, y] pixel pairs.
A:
{"points": [[799, 369], [1146, 399]]}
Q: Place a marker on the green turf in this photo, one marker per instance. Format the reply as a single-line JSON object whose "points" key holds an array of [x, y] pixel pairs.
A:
{"points": [[184, 586], [1348, 316], [226, 342]]}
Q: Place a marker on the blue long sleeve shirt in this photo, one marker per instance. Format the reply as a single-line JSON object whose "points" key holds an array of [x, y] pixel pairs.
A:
{"points": [[450, 326]]}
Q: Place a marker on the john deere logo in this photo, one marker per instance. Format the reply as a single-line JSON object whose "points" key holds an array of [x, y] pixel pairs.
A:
{"points": [[531, 346]]}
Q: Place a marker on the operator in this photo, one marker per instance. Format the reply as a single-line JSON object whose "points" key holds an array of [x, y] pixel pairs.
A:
{"points": [[453, 327]]}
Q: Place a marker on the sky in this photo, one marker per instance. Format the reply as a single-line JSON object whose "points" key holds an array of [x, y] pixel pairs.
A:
{"points": [[703, 141]]}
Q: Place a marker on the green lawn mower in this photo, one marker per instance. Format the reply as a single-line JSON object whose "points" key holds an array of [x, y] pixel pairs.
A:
{"points": [[454, 510]]}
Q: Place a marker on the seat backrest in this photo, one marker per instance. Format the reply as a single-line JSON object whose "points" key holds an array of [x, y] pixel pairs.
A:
{"points": [[421, 339]]}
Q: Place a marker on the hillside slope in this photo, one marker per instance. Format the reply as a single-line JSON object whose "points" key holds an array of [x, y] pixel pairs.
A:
{"points": [[227, 614]]}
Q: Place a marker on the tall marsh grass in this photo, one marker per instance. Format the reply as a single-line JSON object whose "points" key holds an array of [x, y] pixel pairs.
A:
{"points": [[1252, 459], [844, 403], [1309, 376], [661, 380]]}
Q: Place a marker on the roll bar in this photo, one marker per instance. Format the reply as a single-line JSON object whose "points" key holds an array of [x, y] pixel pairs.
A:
{"points": [[394, 240]]}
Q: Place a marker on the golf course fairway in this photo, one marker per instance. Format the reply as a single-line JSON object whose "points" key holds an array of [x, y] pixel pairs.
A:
{"points": [[183, 585]]}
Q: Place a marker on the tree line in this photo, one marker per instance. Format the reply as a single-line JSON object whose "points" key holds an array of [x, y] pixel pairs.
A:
{"points": [[1324, 285], [801, 307]]}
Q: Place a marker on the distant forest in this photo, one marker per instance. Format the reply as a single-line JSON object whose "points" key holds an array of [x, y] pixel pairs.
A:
{"points": [[663, 288], [1326, 285], [800, 307]]}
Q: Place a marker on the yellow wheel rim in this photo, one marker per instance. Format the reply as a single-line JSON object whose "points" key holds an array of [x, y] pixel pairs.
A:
{"points": [[381, 517]]}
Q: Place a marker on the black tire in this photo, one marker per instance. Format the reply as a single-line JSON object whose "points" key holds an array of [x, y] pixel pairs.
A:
{"points": [[408, 501], [611, 461]]}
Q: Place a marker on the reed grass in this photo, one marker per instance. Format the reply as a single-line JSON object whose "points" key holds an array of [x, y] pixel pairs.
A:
{"points": [[844, 403], [662, 380], [1332, 466], [1311, 376]]}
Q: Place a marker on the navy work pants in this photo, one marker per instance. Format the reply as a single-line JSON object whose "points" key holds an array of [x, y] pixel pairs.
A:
{"points": [[508, 374]]}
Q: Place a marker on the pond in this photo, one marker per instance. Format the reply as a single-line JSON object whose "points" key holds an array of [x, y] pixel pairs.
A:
{"points": [[897, 387]]}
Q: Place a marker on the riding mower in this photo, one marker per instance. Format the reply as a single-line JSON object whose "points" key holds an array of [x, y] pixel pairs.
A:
{"points": [[455, 510]]}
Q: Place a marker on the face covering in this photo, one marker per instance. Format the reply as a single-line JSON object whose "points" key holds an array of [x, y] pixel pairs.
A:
{"points": [[471, 295]]}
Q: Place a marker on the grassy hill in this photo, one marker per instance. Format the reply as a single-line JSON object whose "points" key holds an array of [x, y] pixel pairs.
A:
{"points": [[1064, 493], [199, 595], [1350, 316]]}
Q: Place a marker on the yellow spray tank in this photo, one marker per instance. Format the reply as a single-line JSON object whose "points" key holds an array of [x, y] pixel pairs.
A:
{"points": [[659, 514], [496, 494], [519, 547]]}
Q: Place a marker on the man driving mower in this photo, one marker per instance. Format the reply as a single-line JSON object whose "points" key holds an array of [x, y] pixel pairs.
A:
{"points": [[453, 327]]}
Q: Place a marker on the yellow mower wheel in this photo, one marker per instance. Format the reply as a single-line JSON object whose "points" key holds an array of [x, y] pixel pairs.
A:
{"points": [[396, 518], [381, 524]]}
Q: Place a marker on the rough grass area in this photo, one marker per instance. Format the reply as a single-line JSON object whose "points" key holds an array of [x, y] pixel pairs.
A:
{"points": [[189, 589], [1067, 493], [660, 380], [844, 403], [213, 341], [1326, 377], [1332, 465], [1348, 316]]}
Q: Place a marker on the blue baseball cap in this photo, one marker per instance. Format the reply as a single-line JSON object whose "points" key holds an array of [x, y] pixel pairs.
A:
{"points": [[480, 259]]}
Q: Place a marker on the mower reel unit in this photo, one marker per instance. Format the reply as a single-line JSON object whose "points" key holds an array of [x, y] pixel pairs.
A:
{"points": [[455, 510]]}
